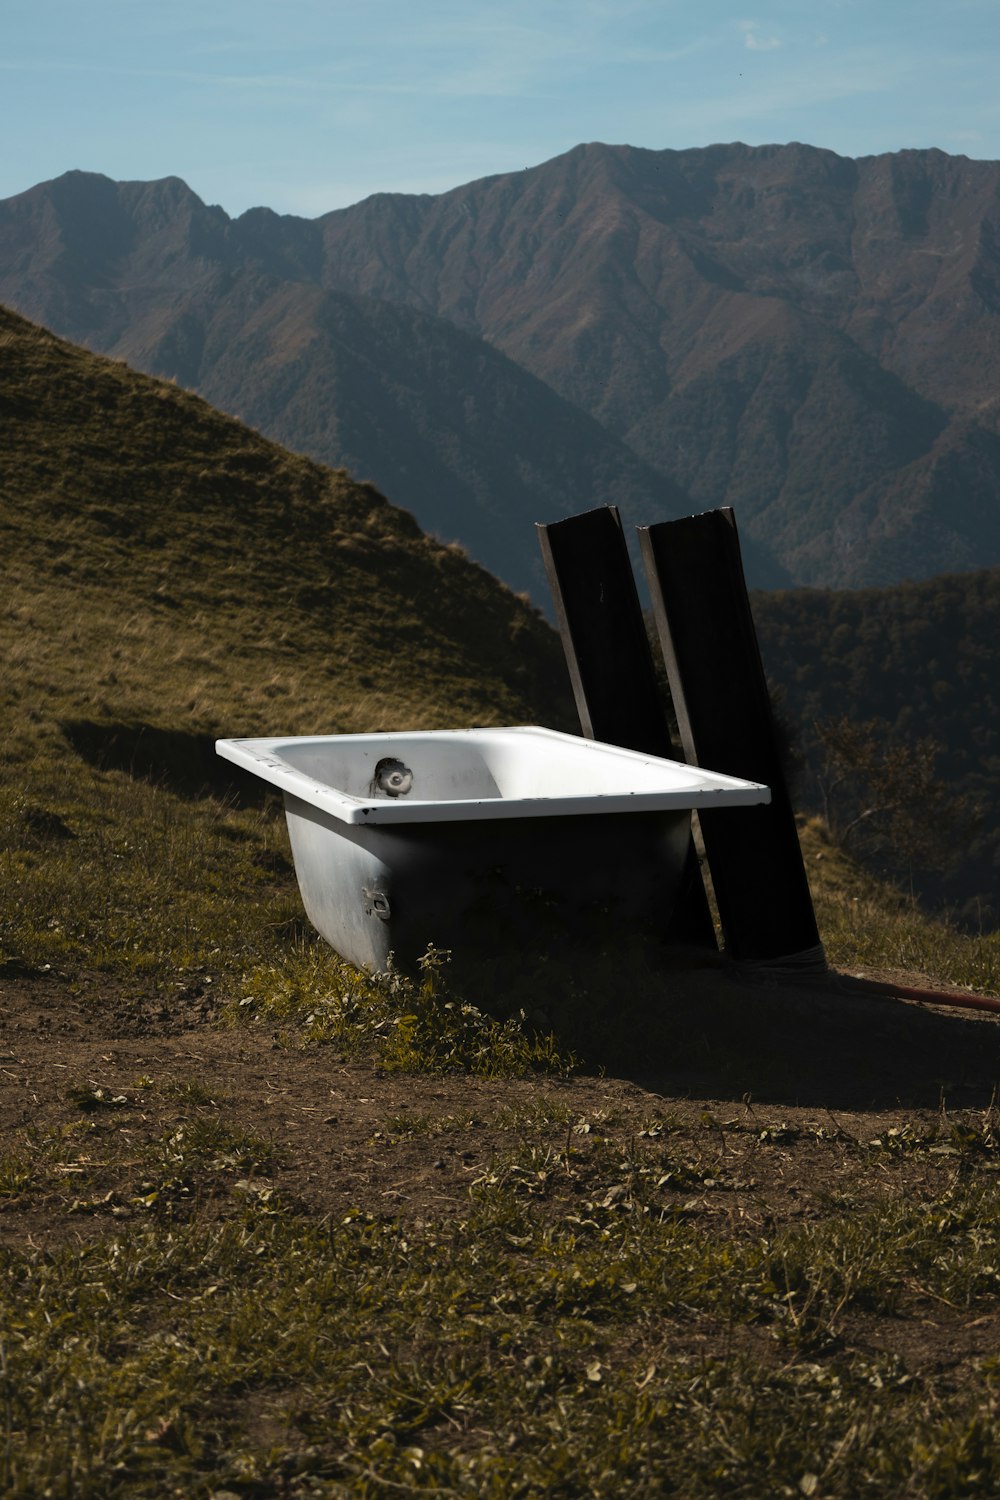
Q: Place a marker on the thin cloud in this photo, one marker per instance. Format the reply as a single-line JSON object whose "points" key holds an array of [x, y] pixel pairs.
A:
{"points": [[754, 42]]}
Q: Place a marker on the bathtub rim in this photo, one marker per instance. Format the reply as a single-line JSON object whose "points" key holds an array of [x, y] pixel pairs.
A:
{"points": [[704, 789]]}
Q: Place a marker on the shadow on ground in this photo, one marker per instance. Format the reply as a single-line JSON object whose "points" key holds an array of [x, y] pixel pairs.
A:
{"points": [[686, 1024]]}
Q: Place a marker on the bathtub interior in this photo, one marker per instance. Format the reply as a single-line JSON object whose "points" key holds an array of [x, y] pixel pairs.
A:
{"points": [[484, 767], [442, 771], [482, 774]]}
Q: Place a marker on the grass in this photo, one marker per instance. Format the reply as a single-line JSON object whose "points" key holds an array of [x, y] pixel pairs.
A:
{"points": [[614, 1309], [205, 574], [865, 923], [640, 1298], [529, 1348], [408, 1025]]}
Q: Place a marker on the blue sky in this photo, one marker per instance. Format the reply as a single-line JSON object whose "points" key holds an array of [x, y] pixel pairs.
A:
{"points": [[307, 105]]}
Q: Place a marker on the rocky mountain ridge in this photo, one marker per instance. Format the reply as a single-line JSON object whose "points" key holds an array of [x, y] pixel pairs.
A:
{"points": [[811, 339]]}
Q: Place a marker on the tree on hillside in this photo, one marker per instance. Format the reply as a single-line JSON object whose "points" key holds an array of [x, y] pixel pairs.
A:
{"points": [[882, 800]]}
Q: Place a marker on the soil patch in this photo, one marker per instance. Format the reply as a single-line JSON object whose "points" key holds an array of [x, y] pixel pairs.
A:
{"points": [[135, 1108]]}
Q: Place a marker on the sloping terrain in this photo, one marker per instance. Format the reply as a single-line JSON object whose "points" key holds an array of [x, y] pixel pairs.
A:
{"points": [[194, 562], [474, 446], [778, 328], [273, 1227], [922, 661], [808, 338]]}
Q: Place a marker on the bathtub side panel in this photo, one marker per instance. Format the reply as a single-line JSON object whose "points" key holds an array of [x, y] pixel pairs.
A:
{"points": [[334, 872], [479, 887]]}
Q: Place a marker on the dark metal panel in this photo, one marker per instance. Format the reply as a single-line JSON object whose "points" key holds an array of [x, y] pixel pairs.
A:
{"points": [[723, 709], [611, 666], [603, 632]]}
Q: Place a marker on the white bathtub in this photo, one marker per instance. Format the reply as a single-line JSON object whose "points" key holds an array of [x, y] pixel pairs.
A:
{"points": [[477, 837]]}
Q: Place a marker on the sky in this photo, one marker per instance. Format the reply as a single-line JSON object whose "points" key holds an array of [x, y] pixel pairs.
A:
{"points": [[308, 105]]}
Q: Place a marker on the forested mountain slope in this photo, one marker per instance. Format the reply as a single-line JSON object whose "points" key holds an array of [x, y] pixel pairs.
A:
{"points": [[473, 445], [922, 660], [811, 339]]}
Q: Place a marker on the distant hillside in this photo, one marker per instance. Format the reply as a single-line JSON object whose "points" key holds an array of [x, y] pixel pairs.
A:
{"points": [[811, 339], [923, 659], [165, 566], [473, 445]]}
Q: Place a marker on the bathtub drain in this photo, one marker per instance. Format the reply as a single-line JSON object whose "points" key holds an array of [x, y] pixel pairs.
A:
{"points": [[391, 777]]}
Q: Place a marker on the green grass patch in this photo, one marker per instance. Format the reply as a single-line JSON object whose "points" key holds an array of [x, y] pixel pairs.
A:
{"points": [[866, 923], [409, 1025], [510, 1352]]}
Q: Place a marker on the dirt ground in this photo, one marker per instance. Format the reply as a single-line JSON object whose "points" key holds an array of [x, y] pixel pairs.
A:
{"points": [[115, 1076], [346, 1135]]}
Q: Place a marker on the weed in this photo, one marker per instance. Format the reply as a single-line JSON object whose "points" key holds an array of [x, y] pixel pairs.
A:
{"points": [[412, 1025]]}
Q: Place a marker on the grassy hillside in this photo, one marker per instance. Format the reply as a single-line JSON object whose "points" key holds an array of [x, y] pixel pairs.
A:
{"points": [[170, 577], [123, 494]]}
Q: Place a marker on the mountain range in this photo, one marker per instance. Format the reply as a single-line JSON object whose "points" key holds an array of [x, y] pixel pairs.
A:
{"points": [[812, 339]]}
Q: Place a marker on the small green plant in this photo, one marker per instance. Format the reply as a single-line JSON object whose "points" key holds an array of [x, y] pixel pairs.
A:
{"points": [[91, 1096], [412, 1025], [16, 1175]]}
